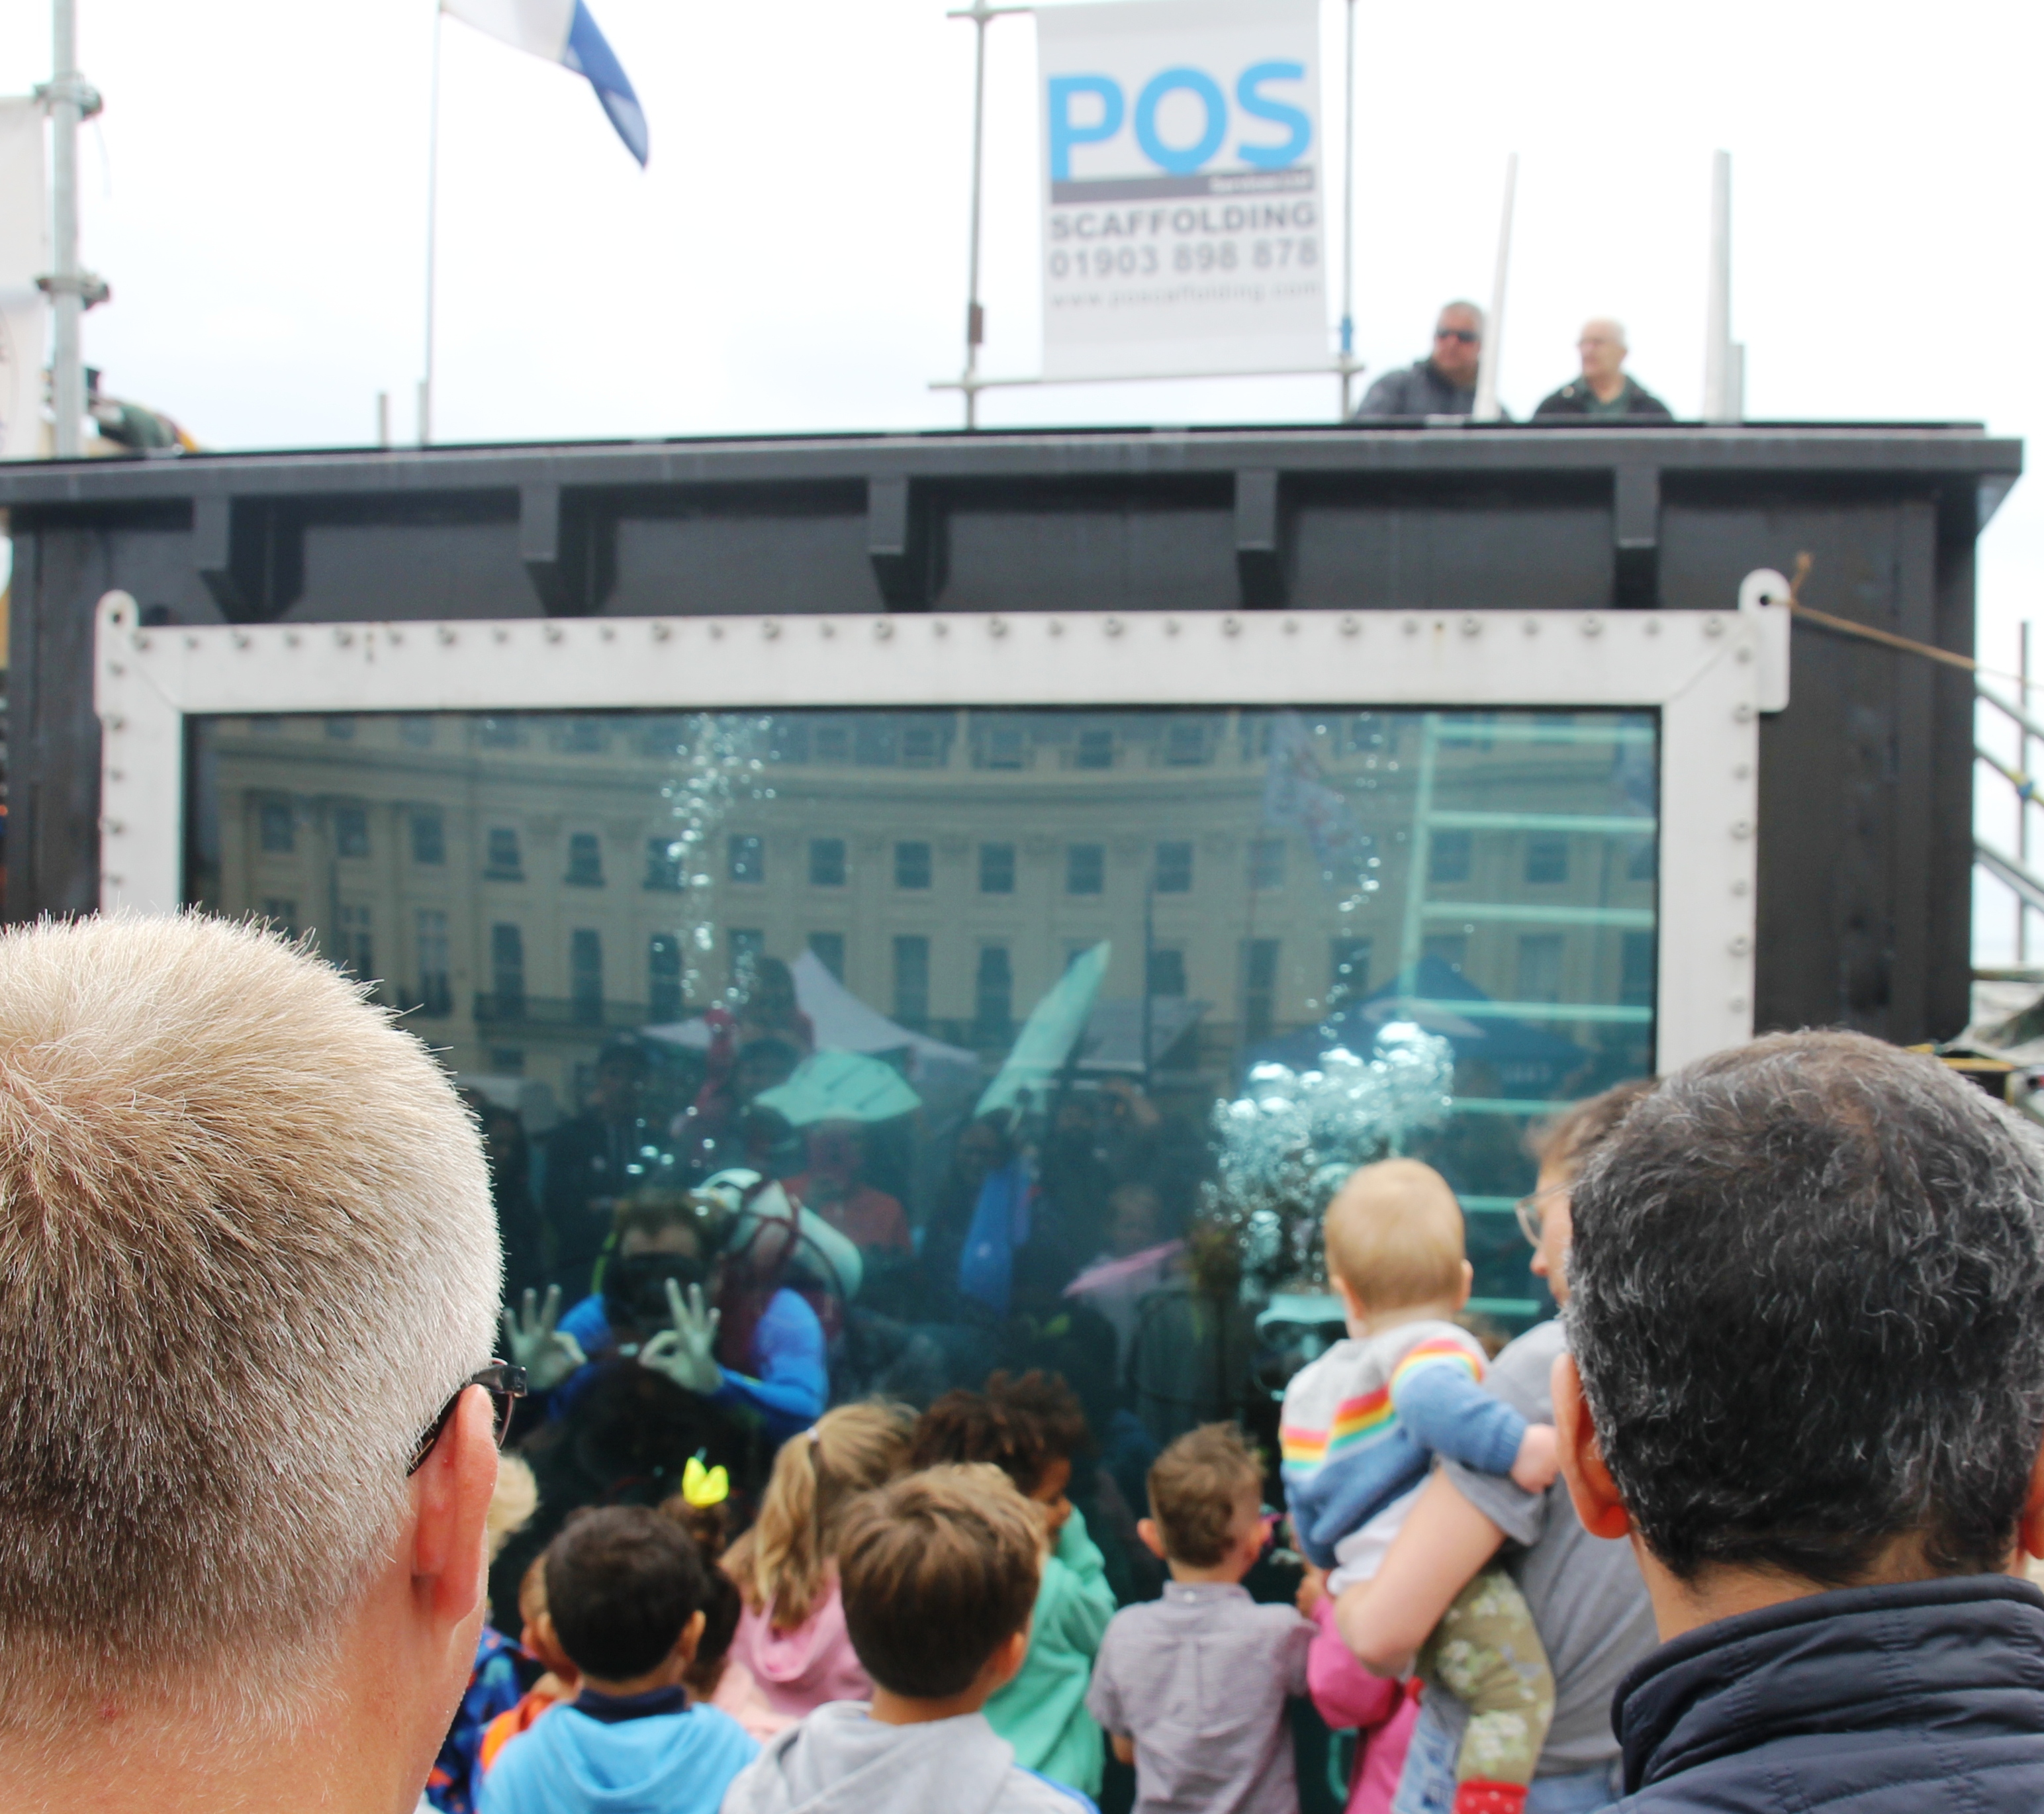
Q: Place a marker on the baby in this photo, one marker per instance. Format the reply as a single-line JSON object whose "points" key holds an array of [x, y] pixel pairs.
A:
{"points": [[1360, 1427]]}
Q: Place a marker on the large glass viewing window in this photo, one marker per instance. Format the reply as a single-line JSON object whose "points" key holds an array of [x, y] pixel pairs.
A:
{"points": [[1195, 890], [956, 930]]}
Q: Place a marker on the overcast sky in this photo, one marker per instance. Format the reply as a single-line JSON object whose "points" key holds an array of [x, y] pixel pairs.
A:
{"points": [[794, 257]]}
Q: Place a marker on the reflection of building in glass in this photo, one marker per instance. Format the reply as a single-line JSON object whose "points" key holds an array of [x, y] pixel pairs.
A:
{"points": [[514, 880], [514, 883]]}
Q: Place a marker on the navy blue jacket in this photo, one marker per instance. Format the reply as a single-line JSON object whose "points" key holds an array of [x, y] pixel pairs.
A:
{"points": [[1907, 1700]]}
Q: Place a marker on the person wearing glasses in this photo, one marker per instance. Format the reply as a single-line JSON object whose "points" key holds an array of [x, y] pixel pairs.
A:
{"points": [[1605, 389], [247, 1303], [1442, 384], [1588, 1600]]}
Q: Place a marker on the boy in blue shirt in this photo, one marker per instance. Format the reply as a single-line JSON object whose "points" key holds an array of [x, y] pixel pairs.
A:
{"points": [[626, 1590], [1360, 1430]]}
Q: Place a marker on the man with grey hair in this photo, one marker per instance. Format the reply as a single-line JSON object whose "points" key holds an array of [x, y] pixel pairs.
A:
{"points": [[1442, 384], [1806, 1381], [248, 1275], [1605, 389]]}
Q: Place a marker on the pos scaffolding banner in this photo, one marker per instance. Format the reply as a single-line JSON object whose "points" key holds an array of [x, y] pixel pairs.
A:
{"points": [[1181, 202]]}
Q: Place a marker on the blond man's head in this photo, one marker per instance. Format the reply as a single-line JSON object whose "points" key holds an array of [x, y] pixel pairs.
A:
{"points": [[246, 1252], [1393, 1235]]}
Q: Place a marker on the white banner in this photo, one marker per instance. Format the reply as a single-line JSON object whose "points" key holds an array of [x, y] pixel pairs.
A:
{"points": [[1181, 197], [25, 256]]}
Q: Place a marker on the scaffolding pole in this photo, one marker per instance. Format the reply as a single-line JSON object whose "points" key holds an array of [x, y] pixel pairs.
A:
{"points": [[1485, 408], [72, 289]]}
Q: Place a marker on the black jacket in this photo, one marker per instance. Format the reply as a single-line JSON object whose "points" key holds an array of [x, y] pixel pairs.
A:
{"points": [[1914, 1699], [1574, 399], [1415, 390]]}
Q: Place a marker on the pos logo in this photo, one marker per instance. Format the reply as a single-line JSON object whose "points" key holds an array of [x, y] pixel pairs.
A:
{"points": [[1093, 110]]}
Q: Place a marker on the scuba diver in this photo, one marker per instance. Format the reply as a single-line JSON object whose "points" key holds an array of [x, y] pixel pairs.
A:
{"points": [[731, 1291]]}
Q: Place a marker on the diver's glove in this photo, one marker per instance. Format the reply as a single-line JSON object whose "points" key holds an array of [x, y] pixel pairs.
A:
{"points": [[686, 1353], [548, 1355]]}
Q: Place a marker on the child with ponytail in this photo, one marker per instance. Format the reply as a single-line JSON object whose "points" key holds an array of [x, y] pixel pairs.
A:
{"points": [[791, 1635]]}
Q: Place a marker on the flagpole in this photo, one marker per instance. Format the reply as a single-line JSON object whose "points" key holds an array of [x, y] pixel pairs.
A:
{"points": [[1348, 220], [432, 234]]}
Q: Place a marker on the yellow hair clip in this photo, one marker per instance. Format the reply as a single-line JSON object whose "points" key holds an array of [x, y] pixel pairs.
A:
{"points": [[704, 1485]]}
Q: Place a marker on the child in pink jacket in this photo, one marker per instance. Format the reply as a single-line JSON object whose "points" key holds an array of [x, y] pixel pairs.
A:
{"points": [[791, 1635], [1347, 1695]]}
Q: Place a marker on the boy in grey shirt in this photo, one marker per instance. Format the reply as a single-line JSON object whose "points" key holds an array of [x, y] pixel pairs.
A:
{"points": [[939, 1572], [1191, 1688]]}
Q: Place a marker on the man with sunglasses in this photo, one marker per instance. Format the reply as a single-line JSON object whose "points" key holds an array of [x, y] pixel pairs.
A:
{"points": [[1442, 384], [248, 1278]]}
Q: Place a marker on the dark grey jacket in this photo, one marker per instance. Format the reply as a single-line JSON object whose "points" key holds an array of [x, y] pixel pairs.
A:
{"points": [[1914, 1699], [1415, 390], [1574, 399]]}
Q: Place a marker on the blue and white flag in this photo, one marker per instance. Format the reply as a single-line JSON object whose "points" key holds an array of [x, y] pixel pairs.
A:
{"points": [[562, 32]]}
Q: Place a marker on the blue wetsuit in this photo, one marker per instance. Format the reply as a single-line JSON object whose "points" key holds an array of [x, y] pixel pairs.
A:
{"points": [[794, 1383]]}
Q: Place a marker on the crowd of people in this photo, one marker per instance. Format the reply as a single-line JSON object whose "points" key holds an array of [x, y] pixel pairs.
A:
{"points": [[1444, 383], [1743, 1528]]}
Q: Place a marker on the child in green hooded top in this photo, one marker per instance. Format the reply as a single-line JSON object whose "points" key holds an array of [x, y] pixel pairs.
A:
{"points": [[1031, 1428]]}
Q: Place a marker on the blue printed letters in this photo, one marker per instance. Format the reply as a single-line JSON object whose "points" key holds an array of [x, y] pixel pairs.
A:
{"points": [[1105, 118]]}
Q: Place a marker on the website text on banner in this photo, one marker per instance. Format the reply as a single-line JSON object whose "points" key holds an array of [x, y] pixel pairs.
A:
{"points": [[1181, 205]]}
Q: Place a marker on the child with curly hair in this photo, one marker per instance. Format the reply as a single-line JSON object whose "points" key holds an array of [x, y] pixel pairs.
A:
{"points": [[1032, 1429]]}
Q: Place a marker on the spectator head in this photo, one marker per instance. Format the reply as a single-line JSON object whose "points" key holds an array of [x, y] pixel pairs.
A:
{"points": [[513, 1501], [1206, 1499], [505, 1144], [249, 1258], [619, 1079], [768, 987], [1393, 1235], [1808, 1323], [836, 1151], [1030, 1428], [984, 1146], [764, 1063], [939, 1573], [1601, 347], [626, 1590], [1458, 343], [1136, 1218], [1561, 1149], [536, 1636], [708, 1523], [781, 1563]]}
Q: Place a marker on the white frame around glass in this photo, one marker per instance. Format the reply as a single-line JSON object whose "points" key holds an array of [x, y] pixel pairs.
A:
{"points": [[1707, 674]]}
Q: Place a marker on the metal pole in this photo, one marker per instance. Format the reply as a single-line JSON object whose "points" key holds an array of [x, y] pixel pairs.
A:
{"points": [[1718, 375], [1348, 218], [432, 236], [1149, 959], [2022, 805], [975, 317], [68, 289], [1485, 409]]}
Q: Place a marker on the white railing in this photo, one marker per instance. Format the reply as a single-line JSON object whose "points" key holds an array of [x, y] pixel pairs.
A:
{"points": [[2013, 869]]}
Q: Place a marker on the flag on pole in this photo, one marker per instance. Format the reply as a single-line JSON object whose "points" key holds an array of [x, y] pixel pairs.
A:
{"points": [[562, 32]]}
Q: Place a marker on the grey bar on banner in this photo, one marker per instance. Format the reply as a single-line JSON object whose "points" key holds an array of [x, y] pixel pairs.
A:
{"points": [[1295, 181]]}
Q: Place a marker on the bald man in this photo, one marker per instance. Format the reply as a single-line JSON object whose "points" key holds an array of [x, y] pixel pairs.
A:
{"points": [[1604, 390]]}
